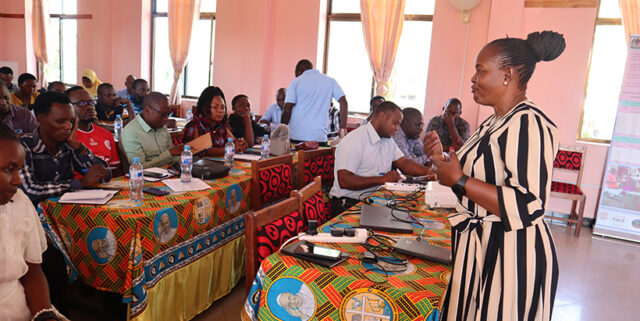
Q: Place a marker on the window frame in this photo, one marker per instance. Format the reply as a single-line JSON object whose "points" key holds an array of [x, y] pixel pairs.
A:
{"points": [[60, 17], [356, 17], [598, 22], [203, 16]]}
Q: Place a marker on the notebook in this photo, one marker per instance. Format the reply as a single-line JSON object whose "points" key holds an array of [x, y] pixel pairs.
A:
{"points": [[89, 196]]}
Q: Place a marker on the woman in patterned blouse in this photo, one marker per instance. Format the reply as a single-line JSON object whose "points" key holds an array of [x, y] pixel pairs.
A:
{"points": [[505, 265], [211, 117]]}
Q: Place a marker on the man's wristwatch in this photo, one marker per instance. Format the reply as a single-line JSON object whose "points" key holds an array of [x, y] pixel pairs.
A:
{"points": [[458, 187]]}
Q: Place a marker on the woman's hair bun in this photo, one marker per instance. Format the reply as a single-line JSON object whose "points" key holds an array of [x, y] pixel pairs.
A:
{"points": [[546, 45]]}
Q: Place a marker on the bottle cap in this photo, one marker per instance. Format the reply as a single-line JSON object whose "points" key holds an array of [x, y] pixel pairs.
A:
{"points": [[265, 136], [229, 139], [136, 159], [187, 147]]}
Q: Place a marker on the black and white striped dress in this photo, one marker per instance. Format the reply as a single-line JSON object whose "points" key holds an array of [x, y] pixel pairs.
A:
{"points": [[505, 268]]}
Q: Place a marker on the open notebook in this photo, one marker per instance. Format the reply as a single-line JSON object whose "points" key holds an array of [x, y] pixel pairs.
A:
{"points": [[89, 196]]}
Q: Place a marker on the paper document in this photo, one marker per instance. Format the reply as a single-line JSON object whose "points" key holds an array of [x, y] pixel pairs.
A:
{"points": [[201, 143], [89, 196], [179, 187], [246, 157]]}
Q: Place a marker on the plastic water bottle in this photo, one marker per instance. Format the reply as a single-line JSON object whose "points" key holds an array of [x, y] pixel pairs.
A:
{"points": [[135, 181], [229, 151], [189, 115], [117, 128], [265, 147], [186, 162]]}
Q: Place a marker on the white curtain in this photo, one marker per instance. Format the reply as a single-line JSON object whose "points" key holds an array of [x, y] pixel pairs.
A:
{"points": [[183, 15], [40, 25]]}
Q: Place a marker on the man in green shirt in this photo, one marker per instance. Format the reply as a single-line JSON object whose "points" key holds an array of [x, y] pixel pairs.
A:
{"points": [[147, 136]]}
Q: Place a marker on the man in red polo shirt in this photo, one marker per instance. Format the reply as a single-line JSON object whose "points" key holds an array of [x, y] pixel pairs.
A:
{"points": [[97, 139]]}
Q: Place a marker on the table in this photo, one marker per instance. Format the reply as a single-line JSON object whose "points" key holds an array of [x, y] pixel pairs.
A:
{"points": [[288, 288], [169, 257]]}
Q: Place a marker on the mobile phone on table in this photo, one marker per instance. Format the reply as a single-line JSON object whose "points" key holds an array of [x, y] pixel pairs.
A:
{"points": [[155, 191], [306, 248], [154, 174]]}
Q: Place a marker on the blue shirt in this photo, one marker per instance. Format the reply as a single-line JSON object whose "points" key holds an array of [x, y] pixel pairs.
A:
{"points": [[364, 153], [311, 95], [273, 115], [122, 93], [413, 149]]}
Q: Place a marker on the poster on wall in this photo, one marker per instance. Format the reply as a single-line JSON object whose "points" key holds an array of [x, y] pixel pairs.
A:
{"points": [[618, 212]]}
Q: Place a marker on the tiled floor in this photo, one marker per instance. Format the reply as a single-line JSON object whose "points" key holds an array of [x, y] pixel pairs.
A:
{"points": [[599, 280]]}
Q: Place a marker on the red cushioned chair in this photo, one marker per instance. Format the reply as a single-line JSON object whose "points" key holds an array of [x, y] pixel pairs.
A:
{"points": [[570, 159], [266, 230], [313, 163], [271, 180], [311, 203]]}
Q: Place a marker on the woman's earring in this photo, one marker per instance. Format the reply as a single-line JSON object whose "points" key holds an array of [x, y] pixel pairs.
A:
{"points": [[505, 82]]}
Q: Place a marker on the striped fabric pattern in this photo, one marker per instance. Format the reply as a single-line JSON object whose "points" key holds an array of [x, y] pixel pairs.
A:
{"points": [[505, 268]]}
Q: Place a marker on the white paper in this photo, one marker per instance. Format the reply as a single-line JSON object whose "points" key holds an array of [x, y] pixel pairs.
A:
{"points": [[246, 157], [90, 196], [179, 187]]}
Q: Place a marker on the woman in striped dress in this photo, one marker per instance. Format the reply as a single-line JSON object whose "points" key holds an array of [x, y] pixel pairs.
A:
{"points": [[505, 265]]}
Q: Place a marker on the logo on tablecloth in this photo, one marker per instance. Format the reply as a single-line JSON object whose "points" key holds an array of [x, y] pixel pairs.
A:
{"points": [[289, 298], [66, 239], [203, 210], [101, 244], [165, 225], [233, 198], [367, 304]]}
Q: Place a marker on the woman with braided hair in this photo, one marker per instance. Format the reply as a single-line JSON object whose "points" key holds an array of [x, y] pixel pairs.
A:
{"points": [[505, 265]]}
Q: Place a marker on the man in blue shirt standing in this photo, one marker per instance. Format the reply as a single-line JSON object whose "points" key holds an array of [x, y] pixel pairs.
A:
{"points": [[310, 93]]}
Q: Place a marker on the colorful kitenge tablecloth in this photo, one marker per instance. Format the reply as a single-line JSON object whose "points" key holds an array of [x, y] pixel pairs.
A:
{"points": [[126, 248], [287, 288]]}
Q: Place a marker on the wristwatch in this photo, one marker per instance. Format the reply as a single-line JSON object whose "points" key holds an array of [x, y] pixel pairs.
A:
{"points": [[458, 187]]}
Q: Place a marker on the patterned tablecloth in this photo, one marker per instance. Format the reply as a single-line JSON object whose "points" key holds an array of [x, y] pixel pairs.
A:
{"points": [[287, 288], [126, 248]]}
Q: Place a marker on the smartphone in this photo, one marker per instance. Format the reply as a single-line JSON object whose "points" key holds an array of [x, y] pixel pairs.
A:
{"points": [[309, 249], [290, 249], [154, 174], [155, 191]]}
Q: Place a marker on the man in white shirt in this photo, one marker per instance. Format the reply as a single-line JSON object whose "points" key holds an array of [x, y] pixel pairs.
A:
{"points": [[364, 159], [310, 93], [127, 91], [273, 115]]}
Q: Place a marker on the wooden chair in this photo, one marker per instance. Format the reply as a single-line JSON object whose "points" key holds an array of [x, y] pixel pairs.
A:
{"points": [[312, 204], [124, 161], [313, 163], [271, 180], [570, 159], [266, 230]]}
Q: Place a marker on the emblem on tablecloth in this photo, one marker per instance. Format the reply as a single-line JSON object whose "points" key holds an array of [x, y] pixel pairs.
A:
{"points": [[66, 239], [367, 304], [165, 225], [289, 298], [233, 199], [203, 210], [101, 244]]}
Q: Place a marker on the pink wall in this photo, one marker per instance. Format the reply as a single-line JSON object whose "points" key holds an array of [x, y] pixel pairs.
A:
{"points": [[16, 38]]}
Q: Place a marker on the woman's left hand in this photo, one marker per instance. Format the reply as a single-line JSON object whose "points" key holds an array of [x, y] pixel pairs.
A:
{"points": [[447, 169]]}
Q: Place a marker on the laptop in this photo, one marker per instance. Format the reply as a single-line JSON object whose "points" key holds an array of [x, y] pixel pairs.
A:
{"points": [[380, 218]]}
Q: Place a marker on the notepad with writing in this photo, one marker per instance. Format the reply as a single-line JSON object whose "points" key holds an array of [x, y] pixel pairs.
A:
{"points": [[89, 196]]}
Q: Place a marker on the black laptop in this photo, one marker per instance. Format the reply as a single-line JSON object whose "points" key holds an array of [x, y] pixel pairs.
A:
{"points": [[380, 218]]}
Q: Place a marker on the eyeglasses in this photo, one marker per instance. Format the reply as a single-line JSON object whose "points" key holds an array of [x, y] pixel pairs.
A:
{"points": [[85, 103], [164, 115]]}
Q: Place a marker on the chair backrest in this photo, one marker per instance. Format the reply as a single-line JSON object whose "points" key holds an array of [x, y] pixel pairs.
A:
{"points": [[271, 180], [176, 137], [312, 204], [571, 158], [267, 229], [313, 163]]}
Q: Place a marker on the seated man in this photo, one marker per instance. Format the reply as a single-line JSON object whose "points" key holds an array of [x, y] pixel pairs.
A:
{"points": [[140, 89], [365, 156], [109, 106], [127, 91], [20, 120], [373, 103], [147, 137], [241, 117], [274, 113], [26, 94], [53, 153], [97, 139], [57, 86], [452, 130], [6, 75], [408, 136]]}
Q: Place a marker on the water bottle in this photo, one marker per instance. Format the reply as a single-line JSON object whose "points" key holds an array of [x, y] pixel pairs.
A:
{"points": [[189, 115], [229, 151], [265, 147], [186, 162], [135, 181], [117, 128]]}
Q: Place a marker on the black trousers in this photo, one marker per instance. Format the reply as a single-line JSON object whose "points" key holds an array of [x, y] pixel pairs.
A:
{"points": [[339, 205], [322, 144]]}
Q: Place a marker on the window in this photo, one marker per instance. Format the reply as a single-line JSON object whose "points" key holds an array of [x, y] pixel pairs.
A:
{"points": [[604, 80], [347, 61], [62, 41], [198, 72]]}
